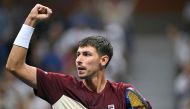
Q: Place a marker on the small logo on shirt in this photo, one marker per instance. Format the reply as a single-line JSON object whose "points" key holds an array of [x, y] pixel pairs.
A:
{"points": [[111, 106]]}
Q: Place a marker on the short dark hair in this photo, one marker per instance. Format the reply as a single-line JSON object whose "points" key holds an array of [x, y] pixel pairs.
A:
{"points": [[100, 43]]}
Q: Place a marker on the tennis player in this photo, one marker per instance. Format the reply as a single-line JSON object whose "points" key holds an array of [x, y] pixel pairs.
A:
{"points": [[65, 91]]}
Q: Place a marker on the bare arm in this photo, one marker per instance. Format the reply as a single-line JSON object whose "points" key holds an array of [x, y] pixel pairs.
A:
{"points": [[16, 61]]}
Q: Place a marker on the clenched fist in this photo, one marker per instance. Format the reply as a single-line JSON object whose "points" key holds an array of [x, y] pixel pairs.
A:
{"points": [[39, 12]]}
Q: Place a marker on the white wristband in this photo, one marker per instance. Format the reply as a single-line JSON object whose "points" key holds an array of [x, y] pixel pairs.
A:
{"points": [[24, 36]]}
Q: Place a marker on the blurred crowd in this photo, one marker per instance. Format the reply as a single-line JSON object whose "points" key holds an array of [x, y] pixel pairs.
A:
{"points": [[179, 34], [54, 41], [53, 44]]}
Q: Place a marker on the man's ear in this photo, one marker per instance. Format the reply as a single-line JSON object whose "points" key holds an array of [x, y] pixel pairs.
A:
{"points": [[104, 60]]}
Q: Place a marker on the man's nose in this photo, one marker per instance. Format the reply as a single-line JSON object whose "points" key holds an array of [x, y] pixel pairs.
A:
{"points": [[79, 60]]}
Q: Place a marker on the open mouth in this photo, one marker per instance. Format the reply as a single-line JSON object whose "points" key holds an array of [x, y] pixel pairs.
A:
{"points": [[81, 68]]}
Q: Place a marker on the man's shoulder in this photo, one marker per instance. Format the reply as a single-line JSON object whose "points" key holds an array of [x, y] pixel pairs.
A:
{"points": [[55, 75], [120, 85]]}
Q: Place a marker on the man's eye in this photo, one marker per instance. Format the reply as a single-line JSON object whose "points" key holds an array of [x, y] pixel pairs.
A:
{"points": [[87, 54]]}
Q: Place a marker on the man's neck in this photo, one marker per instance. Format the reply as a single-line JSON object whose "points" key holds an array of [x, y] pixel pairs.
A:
{"points": [[96, 83]]}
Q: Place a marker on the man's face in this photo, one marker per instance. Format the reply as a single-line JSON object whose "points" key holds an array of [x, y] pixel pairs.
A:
{"points": [[87, 62]]}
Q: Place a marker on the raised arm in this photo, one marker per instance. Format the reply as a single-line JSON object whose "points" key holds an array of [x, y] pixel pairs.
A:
{"points": [[16, 61]]}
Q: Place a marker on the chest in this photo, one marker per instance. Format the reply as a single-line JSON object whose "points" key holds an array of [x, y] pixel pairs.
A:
{"points": [[107, 100]]}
